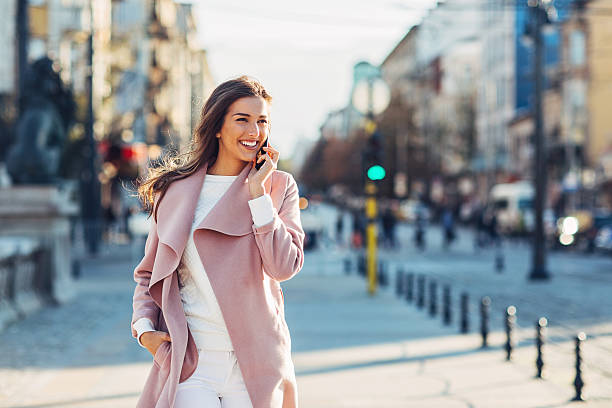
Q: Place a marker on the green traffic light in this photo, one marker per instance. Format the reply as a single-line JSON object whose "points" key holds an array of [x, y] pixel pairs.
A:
{"points": [[376, 172]]}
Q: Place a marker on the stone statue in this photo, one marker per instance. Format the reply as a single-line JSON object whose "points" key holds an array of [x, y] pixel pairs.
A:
{"points": [[47, 114]]}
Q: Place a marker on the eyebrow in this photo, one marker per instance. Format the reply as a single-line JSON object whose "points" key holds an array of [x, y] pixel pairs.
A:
{"points": [[246, 114]]}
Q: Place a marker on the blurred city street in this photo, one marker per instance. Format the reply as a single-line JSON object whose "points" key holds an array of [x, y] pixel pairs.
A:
{"points": [[349, 349], [444, 166]]}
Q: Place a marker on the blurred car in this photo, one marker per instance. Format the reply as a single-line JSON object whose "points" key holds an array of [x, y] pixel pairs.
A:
{"points": [[603, 239], [601, 220], [580, 229], [312, 226], [513, 204]]}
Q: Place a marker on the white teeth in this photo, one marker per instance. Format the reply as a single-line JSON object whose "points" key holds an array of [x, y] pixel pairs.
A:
{"points": [[250, 144]]}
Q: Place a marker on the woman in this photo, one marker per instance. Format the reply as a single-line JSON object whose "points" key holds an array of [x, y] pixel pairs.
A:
{"points": [[208, 304]]}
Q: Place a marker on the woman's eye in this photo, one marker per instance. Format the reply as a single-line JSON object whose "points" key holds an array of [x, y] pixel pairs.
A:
{"points": [[263, 121], [243, 119]]}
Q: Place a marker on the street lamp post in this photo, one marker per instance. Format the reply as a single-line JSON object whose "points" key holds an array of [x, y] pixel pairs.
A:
{"points": [[538, 270], [90, 188]]}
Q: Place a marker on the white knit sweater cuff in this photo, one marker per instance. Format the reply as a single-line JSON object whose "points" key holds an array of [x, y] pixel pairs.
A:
{"points": [[262, 210], [141, 326]]}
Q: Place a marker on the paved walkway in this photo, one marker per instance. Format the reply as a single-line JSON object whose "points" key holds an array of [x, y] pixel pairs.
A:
{"points": [[350, 350]]}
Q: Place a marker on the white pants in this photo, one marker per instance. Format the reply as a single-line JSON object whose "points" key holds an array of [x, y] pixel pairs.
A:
{"points": [[216, 382]]}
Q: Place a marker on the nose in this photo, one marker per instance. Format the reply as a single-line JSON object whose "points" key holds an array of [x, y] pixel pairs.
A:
{"points": [[254, 130]]}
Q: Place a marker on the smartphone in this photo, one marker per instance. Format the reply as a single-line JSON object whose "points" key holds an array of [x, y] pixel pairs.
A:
{"points": [[260, 153]]}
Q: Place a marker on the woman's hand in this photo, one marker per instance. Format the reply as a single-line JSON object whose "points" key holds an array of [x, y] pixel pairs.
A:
{"points": [[257, 178], [153, 339]]}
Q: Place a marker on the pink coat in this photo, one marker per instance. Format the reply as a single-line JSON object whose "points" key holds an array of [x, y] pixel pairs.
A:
{"points": [[244, 265]]}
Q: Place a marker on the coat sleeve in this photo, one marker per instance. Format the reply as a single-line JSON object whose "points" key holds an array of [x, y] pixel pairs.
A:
{"points": [[281, 242], [143, 304]]}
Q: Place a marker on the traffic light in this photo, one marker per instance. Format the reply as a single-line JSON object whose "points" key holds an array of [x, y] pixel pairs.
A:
{"points": [[373, 158], [376, 172]]}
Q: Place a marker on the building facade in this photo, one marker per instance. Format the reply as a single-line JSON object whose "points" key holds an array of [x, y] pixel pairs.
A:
{"points": [[586, 128], [149, 80]]}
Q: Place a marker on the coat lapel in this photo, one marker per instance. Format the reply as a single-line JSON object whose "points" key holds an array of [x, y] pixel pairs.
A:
{"points": [[176, 210], [231, 215]]}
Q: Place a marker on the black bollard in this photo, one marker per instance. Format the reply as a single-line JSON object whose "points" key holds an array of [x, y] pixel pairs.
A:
{"points": [[433, 298], [447, 305], [578, 382], [510, 322], [399, 282], [347, 266], [421, 292], [465, 323], [540, 335], [410, 287], [485, 306]]}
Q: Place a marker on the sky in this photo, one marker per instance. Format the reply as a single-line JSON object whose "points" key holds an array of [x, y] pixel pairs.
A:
{"points": [[302, 52]]}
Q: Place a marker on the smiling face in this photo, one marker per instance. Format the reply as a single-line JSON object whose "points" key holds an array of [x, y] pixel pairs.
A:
{"points": [[245, 128]]}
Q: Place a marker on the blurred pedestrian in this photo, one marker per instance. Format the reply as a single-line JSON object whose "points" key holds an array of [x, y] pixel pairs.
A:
{"points": [[448, 224], [420, 223], [110, 220], [492, 228], [339, 227], [481, 229], [208, 304], [358, 233], [388, 223]]}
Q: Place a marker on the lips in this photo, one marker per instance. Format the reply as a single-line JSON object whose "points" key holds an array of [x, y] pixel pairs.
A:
{"points": [[252, 145]]}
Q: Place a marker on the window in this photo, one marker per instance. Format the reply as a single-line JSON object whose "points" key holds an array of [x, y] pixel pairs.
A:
{"points": [[500, 204], [576, 48], [525, 204]]}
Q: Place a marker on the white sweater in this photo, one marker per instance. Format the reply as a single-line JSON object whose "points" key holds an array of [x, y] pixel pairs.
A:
{"points": [[199, 302]]}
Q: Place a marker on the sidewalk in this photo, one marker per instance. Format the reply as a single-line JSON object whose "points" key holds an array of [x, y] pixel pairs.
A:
{"points": [[350, 350], [381, 352], [80, 354]]}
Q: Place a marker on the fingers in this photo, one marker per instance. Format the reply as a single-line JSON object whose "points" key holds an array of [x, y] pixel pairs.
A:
{"points": [[272, 162], [263, 157], [167, 337], [272, 152]]}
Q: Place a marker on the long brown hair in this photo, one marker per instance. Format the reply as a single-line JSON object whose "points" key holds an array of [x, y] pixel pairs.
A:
{"points": [[204, 145]]}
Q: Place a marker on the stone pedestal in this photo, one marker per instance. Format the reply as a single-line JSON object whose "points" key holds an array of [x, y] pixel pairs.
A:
{"points": [[42, 213], [7, 312], [27, 269]]}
